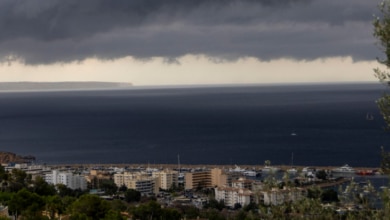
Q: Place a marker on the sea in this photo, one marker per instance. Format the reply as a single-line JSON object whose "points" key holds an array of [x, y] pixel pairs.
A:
{"points": [[299, 124]]}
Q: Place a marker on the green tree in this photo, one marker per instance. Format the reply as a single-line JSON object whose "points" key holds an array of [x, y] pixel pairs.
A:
{"points": [[151, 210], [329, 195], [212, 214], [114, 215], [91, 206], [118, 205], [18, 179], [109, 187], [54, 205], [188, 211], [382, 33], [122, 188], [26, 203], [64, 191], [214, 204], [42, 188], [132, 195]]}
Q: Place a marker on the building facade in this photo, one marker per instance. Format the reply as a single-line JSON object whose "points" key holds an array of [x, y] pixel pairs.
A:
{"points": [[232, 196], [141, 182], [277, 196], [70, 180], [166, 178], [199, 179]]}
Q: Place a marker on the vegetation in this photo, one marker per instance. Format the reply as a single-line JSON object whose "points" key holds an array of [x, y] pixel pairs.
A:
{"points": [[382, 33], [35, 199]]}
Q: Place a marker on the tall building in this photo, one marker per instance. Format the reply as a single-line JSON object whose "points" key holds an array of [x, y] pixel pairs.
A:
{"points": [[219, 178], [166, 178], [197, 179], [68, 179]]}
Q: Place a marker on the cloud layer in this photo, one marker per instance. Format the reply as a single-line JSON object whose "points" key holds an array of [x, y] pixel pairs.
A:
{"points": [[48, 31]]}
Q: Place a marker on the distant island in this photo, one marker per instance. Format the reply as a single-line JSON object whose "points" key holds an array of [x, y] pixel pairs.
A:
{"points": [[38, 86]]}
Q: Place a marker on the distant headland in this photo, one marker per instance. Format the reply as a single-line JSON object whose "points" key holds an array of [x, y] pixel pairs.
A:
{"points": [[8, 157], [39, 86]]}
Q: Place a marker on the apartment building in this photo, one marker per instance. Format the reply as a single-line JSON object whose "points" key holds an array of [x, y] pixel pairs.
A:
{"points": [[198, 179], [166, 178], [219, 178], [141, 182], [242, 183], [232, 196], [72, 181], [96, 178], [277, 196]]}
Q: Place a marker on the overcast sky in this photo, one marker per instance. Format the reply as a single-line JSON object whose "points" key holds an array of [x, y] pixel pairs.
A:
{"points": [[151, 42]]}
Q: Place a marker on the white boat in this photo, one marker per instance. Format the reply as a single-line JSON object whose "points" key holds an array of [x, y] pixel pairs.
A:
{"points": [[269, 169], [237, 169], [250, 173], [292, 170], [308, 169], [369, 116], [344, 169]]}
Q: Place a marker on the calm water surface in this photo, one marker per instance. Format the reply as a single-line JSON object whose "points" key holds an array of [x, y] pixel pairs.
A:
{"points": [[212, 125]]}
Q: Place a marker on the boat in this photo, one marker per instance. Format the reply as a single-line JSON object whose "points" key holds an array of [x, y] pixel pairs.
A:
{"points": [[292, 170], [250, 173], [269, 169], [365, 172], [344, 169], [369, 117], [237, 169]]}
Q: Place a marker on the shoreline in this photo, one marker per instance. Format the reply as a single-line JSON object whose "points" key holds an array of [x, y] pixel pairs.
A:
{"points": [[207, 166]]}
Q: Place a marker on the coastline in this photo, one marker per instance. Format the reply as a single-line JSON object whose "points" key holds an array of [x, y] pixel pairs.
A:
{"points": [[203, 166]]}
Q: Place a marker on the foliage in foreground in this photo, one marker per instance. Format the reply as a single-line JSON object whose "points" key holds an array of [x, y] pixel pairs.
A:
{"points": [[39, 200]]}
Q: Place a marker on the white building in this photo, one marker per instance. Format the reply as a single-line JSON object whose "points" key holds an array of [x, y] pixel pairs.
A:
{"points": [[70, 180], [277, 196], [141, 182], [232, 196], [166, 178]]}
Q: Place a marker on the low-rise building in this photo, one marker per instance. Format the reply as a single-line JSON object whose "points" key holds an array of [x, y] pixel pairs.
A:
{"points": [[232, 196], [277, 196], [242, 183]]}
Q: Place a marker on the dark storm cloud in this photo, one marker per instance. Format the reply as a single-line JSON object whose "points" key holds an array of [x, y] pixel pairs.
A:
{"points": [[46, 31]]}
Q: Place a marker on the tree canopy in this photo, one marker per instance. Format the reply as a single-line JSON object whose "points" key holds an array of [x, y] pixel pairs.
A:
{"points": [[382, 33]]}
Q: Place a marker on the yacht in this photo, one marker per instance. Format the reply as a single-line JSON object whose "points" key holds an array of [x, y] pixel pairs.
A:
{"points": [[344, 169], [292, 170], [250, 173], [269, 169]]}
